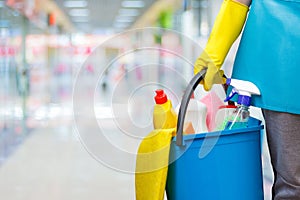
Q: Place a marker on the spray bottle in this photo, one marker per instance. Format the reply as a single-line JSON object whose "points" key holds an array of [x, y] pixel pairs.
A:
{"points": [[240, 116], [164, 116]]}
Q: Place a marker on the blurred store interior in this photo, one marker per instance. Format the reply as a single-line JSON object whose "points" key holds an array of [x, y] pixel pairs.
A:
{"points": [[60, 57]]}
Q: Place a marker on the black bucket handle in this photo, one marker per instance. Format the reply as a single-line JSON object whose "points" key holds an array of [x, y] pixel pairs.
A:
{"points": [[184, 104]]}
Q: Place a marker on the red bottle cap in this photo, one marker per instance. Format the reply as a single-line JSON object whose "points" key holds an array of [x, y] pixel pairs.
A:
{"points": [[160, 97], [227, 106]]}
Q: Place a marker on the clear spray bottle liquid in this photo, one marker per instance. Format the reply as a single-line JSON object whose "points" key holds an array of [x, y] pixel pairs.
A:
{"points": [[239, 118]]}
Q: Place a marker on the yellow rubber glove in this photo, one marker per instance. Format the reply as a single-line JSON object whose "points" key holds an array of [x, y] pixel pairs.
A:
{"points": [[226, 29]]}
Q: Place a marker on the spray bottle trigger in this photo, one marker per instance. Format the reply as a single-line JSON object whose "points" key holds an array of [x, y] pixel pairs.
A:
{"points": [[230, 96]]}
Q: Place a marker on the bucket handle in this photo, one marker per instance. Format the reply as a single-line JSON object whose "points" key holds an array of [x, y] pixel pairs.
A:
{"points": [[184, 104]]}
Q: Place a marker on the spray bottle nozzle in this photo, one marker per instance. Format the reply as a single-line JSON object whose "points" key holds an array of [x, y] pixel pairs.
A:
{"points": [[244, 89], [231, 95], [228, 81]]}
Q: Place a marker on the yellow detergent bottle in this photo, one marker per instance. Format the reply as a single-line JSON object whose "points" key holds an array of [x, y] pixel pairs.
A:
{"points": [[164, 116], [153, 153]]}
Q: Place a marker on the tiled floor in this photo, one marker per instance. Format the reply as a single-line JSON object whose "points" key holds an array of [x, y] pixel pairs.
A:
{"points": [[52, 164]]}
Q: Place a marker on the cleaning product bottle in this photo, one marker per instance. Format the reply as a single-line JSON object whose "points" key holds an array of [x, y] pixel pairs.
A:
{"points": [[196, 114], [164, 116], [244, 90], [153, 153], [224, 112]]}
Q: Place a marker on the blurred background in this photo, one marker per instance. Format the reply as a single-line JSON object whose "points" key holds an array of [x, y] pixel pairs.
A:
{"points": [[47, 47]]}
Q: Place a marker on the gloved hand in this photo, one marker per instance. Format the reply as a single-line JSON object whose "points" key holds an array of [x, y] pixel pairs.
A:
{"points": [[227, 27]]}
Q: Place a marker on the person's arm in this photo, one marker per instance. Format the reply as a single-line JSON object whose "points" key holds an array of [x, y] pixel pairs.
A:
{"points": [[226, 29], [245, 2]]}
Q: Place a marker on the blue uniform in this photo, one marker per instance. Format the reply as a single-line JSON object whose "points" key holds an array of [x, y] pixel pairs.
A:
{"points": [[269, 54]]}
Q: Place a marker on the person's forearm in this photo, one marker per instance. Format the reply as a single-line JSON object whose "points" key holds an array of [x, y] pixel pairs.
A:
{"points": [[227, 27], [245, 2]]}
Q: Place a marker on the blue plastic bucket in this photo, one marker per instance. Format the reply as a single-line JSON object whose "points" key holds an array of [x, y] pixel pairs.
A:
{"points": [[231, 169]]}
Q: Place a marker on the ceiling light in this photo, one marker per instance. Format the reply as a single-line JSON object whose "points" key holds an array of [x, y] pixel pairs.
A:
{"points": [[124, 20], [133, 4], [75, 4], [79, 12], [80, 19], [124, 17], [129, 12], [120, 25]]}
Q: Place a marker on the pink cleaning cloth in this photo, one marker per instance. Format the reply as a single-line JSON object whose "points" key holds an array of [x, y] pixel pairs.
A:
{"points": [[212, 102]]}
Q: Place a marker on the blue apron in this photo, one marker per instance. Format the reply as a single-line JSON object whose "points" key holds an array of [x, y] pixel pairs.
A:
{"points": [[269, 54]]}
